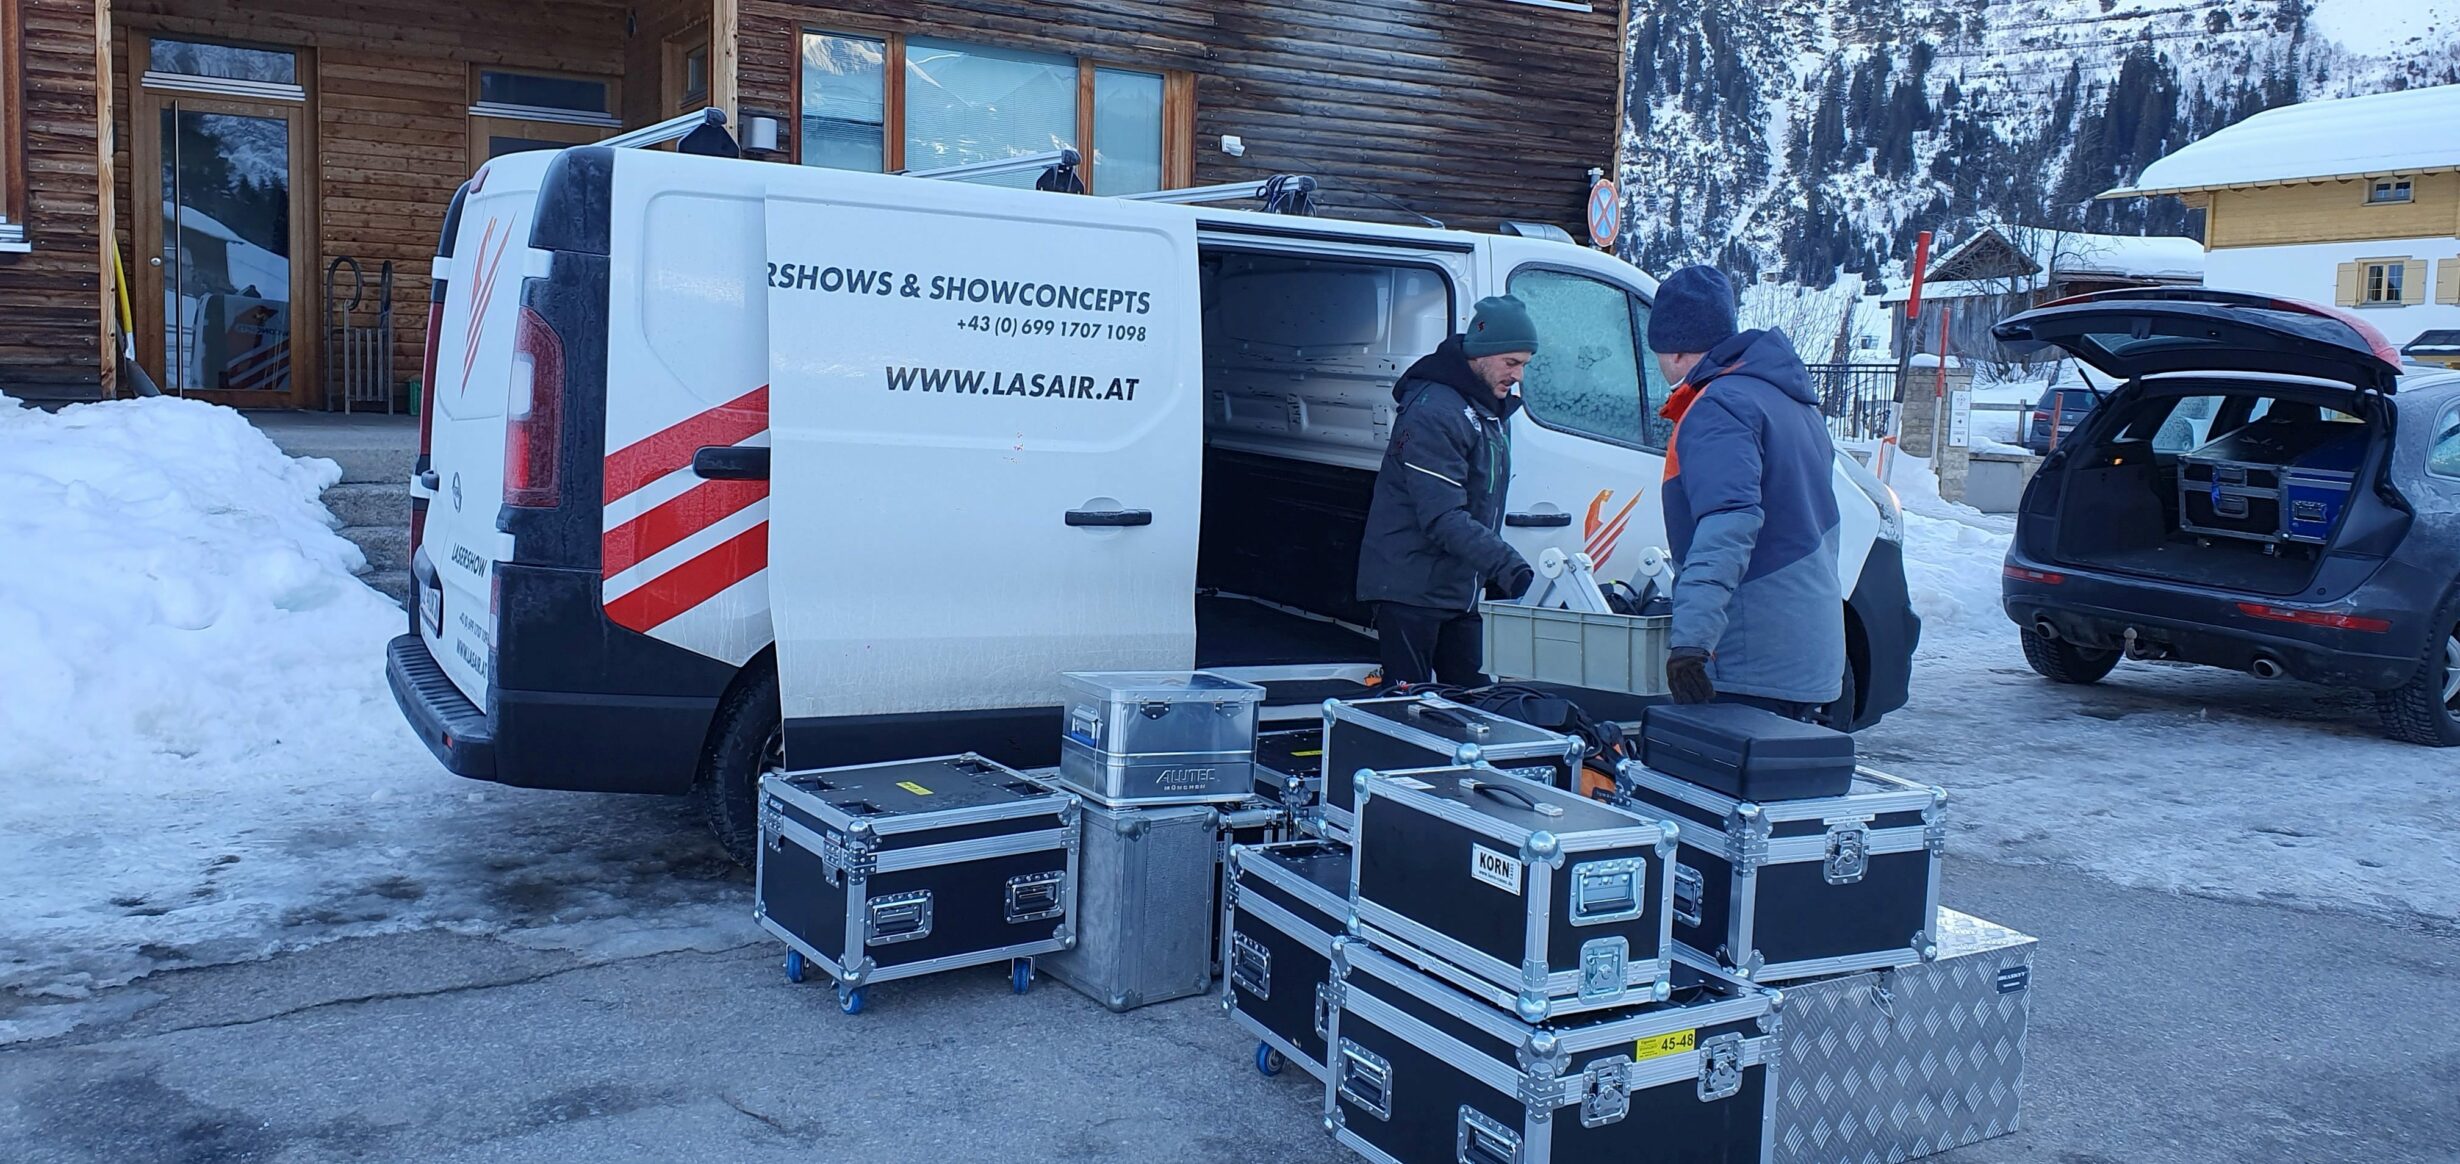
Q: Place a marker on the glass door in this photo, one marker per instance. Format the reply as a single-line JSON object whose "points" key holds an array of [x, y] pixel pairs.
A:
{"points": [[220, 221]]}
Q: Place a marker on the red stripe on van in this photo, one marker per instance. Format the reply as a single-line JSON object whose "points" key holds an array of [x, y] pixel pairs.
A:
{"points": [[694, 510], [671, 448], [694, 582]]}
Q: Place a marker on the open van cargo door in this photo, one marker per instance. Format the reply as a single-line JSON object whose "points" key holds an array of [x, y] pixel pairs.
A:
{"points": [[2142, 331], [987, 437]]}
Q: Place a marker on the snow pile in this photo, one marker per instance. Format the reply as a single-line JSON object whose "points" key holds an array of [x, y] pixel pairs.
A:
{"points": [[199, 758], [1952, 558], [2378, 133]]}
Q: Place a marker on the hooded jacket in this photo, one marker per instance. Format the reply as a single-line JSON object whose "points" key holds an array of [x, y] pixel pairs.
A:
{"points": [[1433, 534], [1751, 517]]}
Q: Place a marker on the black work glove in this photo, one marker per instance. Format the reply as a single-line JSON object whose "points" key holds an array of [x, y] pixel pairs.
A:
{"points": [[1516, 580], [1687, 675]]}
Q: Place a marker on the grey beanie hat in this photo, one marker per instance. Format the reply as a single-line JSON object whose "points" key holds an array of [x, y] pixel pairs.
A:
{"points": [[1500, 324]]}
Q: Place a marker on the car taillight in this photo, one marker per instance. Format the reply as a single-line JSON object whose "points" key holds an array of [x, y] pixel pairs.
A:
{"points": [[2354, 622], [533, 429], [2043, 577]]}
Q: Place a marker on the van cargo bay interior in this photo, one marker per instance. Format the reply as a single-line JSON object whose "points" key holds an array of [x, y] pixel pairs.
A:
{"points": [[2238, 490], [1300, 355]]}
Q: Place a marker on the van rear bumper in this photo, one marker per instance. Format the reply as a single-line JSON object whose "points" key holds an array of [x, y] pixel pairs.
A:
{"points": [[576, 742]]}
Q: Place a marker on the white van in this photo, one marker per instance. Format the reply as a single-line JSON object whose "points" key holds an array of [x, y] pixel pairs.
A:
{"points": [[720, 457]]}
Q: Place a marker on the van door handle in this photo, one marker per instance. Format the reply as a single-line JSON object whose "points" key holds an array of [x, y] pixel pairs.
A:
{"points": [[1110, 517], [1537, 520], [731, 463]]}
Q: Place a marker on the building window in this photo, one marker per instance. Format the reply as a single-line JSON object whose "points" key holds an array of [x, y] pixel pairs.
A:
{"points": [[2388, 190], [687, 73], [12, 133], [514, 111], [2383, 282], [922, 103]]}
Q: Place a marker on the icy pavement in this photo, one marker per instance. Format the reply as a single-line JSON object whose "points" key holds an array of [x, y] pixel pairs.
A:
{"points": [[199, 761], [2162, 776]]}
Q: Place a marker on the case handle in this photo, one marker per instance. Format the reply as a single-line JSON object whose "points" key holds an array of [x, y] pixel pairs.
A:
{"points": [[1365, 1080]]}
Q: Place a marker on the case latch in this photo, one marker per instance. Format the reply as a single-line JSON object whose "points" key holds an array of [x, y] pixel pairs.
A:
{"points": [[898, 917], [1689, 889], [1849, 854], [1721, 1067], [1482, 1139], [1603, 966], [1608, 1098]]}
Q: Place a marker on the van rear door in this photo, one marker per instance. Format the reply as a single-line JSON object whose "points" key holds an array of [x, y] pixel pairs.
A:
{"points": [[987, 434], [473, 375]]}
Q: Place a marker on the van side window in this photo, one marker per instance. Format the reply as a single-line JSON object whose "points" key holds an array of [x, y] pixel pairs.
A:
{"points": [[2443, 460], [1591, 375]]}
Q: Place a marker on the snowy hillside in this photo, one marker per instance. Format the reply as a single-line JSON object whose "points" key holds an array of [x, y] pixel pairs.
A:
{"points": [[1805, 137]]}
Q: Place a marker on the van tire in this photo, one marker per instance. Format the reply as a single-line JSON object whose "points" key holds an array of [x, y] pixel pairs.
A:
{"points": [[2061, 662], [2420, 710], [744, 741]]}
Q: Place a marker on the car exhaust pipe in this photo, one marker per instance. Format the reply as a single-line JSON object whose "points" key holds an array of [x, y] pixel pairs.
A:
{"points": [[2143, 651], [2042, 627], [2267, 667]]}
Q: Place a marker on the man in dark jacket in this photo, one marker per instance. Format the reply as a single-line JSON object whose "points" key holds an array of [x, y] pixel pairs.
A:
{"points": [[1750, 508], [1434, 540]]}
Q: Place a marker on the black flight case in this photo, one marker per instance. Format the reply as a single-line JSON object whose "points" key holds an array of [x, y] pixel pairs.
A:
{"points": [[1422, 1074], [888, 871], [1537, 900], [1282, 907], [1403, 732]]}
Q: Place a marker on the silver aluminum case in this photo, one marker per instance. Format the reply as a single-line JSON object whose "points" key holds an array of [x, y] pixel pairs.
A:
{"points": [[1335, 820], [1744, 843], [1144, 905], [850, 850], [1891, 1065], [1109, 751], [1531, 990], [1542, 1083], [1295, 927]]}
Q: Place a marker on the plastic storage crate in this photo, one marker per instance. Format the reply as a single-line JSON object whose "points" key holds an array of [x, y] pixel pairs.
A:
{"points": [[1602, 652]]}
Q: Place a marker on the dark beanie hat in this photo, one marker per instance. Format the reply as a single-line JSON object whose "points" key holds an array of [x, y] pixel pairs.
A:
{"points": [[1693, 313], [1500, 324]]}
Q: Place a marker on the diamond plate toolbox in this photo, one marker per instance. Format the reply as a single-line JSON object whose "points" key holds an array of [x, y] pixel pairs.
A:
{"points": [[1892, 1065]]}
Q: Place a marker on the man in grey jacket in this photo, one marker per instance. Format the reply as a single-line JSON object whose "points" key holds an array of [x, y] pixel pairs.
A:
{"points": [[1750, 509]]}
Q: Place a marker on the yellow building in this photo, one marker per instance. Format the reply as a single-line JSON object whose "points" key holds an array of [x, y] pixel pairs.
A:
{"points": [[2354, 202]]}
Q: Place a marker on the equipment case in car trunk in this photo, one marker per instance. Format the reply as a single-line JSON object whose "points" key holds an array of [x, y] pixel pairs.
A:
{"points": [[888, 871], [2271, 482], [1533, 898], [1798, 888], [1144, 906], [1423, 1074], [1891, 1065], [1284, 904], [1404, 732]]}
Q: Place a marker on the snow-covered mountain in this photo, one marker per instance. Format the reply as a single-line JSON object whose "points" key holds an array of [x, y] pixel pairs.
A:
{"points": [[1809, 138]]}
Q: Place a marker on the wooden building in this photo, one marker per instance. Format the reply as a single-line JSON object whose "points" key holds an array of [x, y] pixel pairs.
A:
{"points": [[229, 155], [2353, 201], [1998, 271]]}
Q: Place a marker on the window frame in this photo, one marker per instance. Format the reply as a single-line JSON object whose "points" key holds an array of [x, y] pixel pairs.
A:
{"points": [[1178, 100], [674, 80], [2399, 191], [572, 127], [12, 131], [1643, 356], [2443, 426], [2394, 281]]}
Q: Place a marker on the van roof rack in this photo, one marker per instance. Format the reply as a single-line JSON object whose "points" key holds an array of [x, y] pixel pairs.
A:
{"points": [[1058, 167], [1281, 194], [671, 129]]}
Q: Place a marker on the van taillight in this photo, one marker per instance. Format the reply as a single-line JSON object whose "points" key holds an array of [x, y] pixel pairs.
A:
{"points": [[533, 412]]}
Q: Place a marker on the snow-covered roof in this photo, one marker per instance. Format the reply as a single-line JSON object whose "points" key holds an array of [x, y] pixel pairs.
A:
{"points": [[2439, 342], [2346, 137], [2070, 254], [1969, 288]]}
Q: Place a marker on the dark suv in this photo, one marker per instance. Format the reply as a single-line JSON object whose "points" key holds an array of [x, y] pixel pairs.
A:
{"points": [[2267, 490]]}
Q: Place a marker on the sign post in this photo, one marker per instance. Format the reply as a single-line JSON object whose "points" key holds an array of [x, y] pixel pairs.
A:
{"points": [[1605, 213], [1905, 346]]}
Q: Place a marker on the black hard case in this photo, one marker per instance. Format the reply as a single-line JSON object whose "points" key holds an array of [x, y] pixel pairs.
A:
{"points": [[1799, 888], [1257, 821], [1535, 899], [1284, 905], [1404, 732], [1422, 1074], [1746, 752], [1290, 767], [895, 870]]}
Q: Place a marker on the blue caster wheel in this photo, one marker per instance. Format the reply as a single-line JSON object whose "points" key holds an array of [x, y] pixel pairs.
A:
{"points": [[1268, 1060], [794, 965], [850, 1001], [1020, 974]]}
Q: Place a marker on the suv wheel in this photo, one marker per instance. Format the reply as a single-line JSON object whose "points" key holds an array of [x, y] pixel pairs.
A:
{"points": [[2426, 709], [746, 741], [2062, 662]]}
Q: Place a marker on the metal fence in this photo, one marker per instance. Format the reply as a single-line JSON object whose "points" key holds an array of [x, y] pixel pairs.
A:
{"points": [[1856, 398]]}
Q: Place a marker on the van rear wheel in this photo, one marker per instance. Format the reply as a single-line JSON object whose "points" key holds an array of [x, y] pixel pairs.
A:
{"points": [[2426, 709], [746, 741], [2061, 662]]}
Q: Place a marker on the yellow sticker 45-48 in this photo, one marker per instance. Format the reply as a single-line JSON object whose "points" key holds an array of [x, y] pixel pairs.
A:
{"points": [[1667, 1044]]}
